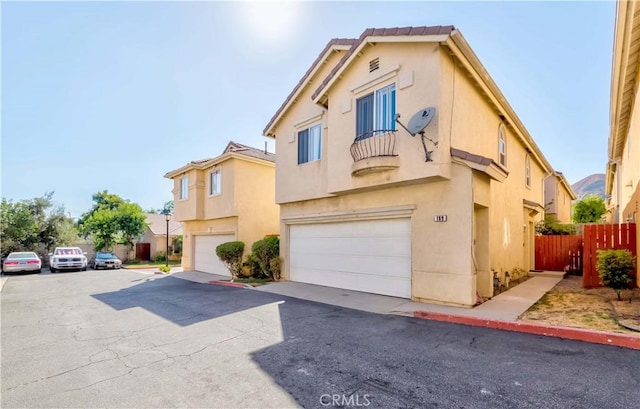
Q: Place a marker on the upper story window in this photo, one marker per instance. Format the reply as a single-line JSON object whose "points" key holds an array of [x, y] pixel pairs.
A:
{"points": [[310, 144], [215, 182], [527, 171], [502, 145], [184, 187], [376, 112]]}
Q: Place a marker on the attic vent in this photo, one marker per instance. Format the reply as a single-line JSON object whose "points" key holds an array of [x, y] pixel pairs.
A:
{"points": [[374, 64]]}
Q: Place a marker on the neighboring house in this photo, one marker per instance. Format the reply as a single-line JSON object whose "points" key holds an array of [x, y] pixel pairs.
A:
{"points": [[623, 169], [558, 195], [363, 204], [226, 198], [622, 180], [156, 233]]}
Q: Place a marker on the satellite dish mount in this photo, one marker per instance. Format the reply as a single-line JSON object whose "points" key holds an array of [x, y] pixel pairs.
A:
{"points": [[417, 124]]}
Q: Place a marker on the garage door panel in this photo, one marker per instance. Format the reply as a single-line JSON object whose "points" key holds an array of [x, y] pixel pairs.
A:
{"points": [[397, 288], [205, 258], [366, 246], [372, 256], [370, 228], [391, 266]]}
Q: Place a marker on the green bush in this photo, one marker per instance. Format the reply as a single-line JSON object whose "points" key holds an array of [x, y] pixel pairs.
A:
{"points": [[614, 268], [264, 251], [159, 257], [275, 264], [252, 267], [551, 227], [165, 269], [230, 254]]}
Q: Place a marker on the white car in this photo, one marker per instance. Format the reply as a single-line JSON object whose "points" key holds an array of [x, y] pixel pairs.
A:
{"points": [[22, 261], [67, 258]]}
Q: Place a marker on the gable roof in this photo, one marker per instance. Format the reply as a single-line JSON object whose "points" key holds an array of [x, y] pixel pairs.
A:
{"points": [[249, 151], [158, 225], [333, 45], [233, 149], [377, 32], [448, 37]]}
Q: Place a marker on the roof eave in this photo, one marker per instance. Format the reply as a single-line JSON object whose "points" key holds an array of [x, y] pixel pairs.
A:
{"points": [[463, 52], [269, 130], [216, 161], [320, 96], [621, 76]]}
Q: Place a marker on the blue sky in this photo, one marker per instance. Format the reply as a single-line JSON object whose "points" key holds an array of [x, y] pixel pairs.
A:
{"points": [[112, 95]]}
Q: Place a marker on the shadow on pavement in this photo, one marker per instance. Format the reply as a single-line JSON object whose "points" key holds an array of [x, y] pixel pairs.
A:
{"points": [[331, 356], [183, 302]]}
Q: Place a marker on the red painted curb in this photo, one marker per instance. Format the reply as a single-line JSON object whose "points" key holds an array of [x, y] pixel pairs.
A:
{"points": [[227, 284], [143, 268], [576, 334]]}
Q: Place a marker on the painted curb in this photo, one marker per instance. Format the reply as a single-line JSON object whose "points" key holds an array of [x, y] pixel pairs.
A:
{"points": [[576, 334], [142, 268], [228, 284]]}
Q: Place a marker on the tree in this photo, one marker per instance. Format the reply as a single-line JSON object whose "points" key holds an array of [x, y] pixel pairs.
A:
{"points": [[589, 210], [34, 225], [112, 220], [131, 221], [167, 208]]}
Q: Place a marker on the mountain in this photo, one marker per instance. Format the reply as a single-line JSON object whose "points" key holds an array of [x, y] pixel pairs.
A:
{"points": [[592, 184]]}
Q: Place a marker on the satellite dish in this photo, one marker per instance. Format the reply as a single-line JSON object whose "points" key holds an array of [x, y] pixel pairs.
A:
{"points": [[420, 120]]}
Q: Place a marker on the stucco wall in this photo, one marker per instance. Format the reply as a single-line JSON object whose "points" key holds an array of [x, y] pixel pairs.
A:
{"points": [[228, 225], [441, 252], [255, 202], [445, 256], [473, 125], [223, 204], [245, 207], [293, 179], [190, 208]]}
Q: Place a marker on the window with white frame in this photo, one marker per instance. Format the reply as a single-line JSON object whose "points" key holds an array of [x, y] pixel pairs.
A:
{"points": [[184, 187], [376, 112], [215, 182], [309, 144], [502, 145], [527, 171]]}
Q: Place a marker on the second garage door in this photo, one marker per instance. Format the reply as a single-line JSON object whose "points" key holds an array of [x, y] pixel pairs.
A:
{"points": [[372, 256], [205, 258]]}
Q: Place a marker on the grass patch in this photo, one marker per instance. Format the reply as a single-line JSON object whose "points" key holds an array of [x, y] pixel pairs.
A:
{"points": [[138, 264], [253, 281]]}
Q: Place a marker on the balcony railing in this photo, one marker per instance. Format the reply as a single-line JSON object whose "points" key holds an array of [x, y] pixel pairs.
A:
{"points": [[373, 144]]}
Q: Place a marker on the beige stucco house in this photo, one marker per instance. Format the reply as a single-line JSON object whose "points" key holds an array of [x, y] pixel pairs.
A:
{"points": [[364, 205], [623, 169], [226, 198], [558, 196], [156, 233]]}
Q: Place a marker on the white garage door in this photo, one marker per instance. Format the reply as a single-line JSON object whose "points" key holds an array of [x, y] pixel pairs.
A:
{"points": [[372, 256], [206, 259]]}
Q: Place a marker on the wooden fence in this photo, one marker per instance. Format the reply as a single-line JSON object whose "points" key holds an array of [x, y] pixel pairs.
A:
{"points": [[602, 237], [559, 253]]}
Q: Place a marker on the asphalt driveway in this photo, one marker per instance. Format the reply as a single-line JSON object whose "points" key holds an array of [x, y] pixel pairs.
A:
{"points": [[121, 339]]}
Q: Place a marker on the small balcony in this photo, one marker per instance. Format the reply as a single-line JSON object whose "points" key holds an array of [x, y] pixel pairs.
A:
{"points": [[374, 151]]}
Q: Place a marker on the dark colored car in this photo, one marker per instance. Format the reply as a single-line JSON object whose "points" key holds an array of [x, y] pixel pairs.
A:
{"points": [[105, 260]]}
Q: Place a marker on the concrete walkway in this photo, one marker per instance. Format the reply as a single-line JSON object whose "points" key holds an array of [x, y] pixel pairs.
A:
{"points": [[507, 306]]}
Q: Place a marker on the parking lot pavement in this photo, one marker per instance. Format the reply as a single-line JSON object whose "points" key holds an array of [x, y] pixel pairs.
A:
{"points": [[123, 339]]}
